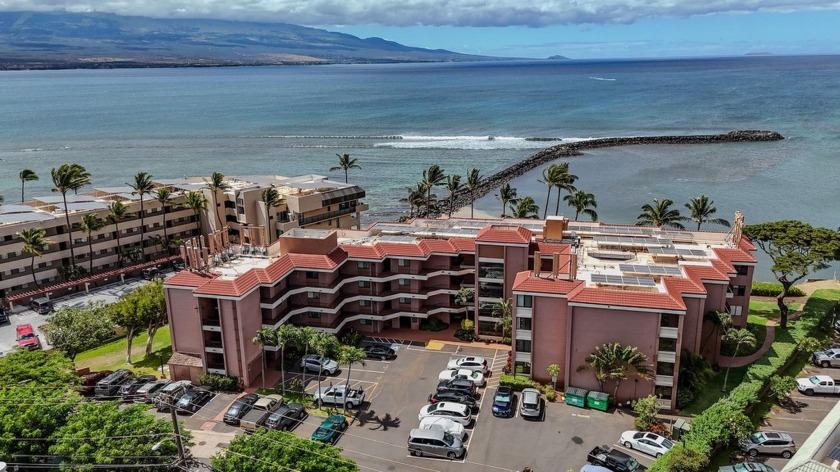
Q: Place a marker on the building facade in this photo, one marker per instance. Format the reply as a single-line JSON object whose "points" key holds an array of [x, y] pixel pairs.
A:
{"points": [[574, 286]]}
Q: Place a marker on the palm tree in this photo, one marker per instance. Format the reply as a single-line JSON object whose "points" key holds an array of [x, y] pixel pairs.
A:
{"points": [[504, 309], [453, 184], [116, 212], [549, 180], [582, 202], [26, 175], [322, 344], [473, 181], [196, 202], [660, 214], [465, 297], [432, 177], [628, 361], [416, 198], [506, 194], [349, 355], [34, 243], [701, 210], [738, 337], [142, 185], [345, 164], [215, 183], [264, 337], [565, 181], [164, 196], [721, 322], [65, 178], [525, 208], [285, 336], [271, 198], [602, 362], [91, 222], [304, 338]]}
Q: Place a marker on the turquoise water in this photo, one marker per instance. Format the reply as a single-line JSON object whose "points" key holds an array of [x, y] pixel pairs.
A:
{"points": [[398, 119]]}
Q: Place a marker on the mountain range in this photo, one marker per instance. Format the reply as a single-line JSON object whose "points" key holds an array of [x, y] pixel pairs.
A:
{"points": [[53, 40]]}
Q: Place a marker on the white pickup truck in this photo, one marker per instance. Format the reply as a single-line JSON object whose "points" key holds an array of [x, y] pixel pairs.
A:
{"points": [[339, 395], [818, 384]]}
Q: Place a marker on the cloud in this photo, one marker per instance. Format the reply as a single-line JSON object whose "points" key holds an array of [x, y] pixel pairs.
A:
{"points": [[478, 13]]}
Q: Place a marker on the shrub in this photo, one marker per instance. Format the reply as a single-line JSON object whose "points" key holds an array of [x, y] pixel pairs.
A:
{"points": [[550, 394], [772, 289], [467, 325], [682, 459], [517, 383], [222, 383], [465, 335], [685, 397], [432, 323], [780, 387], [351, 337], [507, 340], [646, 411]]}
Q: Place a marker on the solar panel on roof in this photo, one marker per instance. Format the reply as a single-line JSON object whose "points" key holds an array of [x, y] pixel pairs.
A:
{"points": [[691, 252], [622, 280], [23, 217], [835, 453], [650, 269], [84, 206]]}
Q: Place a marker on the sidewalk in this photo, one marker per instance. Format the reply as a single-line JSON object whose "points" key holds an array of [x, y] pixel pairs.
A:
{"points": [[208, 443]]}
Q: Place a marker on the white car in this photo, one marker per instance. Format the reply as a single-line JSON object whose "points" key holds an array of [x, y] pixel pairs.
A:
{"points": [[649, 443], [474, 363], [444, 424], [454, 411], [475, 377]]}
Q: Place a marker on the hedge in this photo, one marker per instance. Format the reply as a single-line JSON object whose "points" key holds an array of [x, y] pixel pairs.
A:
{"points": [[773, 289], [712, 428], [517, 383]]}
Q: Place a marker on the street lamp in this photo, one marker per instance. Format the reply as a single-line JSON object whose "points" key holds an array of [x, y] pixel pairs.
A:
{"points": [[160, 358]]}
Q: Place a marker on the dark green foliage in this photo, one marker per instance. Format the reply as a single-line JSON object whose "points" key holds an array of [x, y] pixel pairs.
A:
{"points": [[73, 330], [517, 383], [432, 323], [32, 411], [772, 289], [43, 368], [351, 337], [222, 383], [685, 460], [465, 335], [270, 451]]}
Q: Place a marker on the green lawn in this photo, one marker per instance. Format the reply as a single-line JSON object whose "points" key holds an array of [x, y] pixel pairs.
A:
{"points": [[712, 390], [770, 310], [111, 356], [757, 326]]}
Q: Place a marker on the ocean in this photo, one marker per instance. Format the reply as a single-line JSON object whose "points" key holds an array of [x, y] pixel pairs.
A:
{"points": [[398, 119]]}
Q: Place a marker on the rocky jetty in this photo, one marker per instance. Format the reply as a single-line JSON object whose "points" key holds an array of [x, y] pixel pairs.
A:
{"points": [[544, 156]]}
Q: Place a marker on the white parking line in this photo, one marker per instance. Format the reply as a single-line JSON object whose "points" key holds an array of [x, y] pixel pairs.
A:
{"points": [[372, 371]]}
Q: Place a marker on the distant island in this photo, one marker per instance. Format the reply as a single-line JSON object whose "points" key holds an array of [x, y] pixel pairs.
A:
{"points": [[60, 40], [558, 58], [759, 54]]}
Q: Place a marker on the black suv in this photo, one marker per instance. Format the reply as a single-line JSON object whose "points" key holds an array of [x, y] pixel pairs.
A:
{"points": [[239, 408], [454, 397], [462, 386]]}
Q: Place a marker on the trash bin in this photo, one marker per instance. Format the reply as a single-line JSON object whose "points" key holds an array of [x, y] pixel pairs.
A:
{"points": [[576, 397], [598, 400], [680, 428]]}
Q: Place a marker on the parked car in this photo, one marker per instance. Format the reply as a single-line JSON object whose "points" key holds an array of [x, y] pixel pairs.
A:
{"points": [[192, 400], [594, 468], [130, 388], [747, 467], [474, 363], [26, 337], [453, 411], [435, 443], [4, 316], [147, 393], [330, 429], [827, 358], [649, 443], [769, 442], [530, 403], [89, 381], [614, 460], [316, 363], [339, 395], [109, 387], [259, 411], [377, 351], [444, 424], [503, 402], [150, 273], [473, 376], [454, 397], [170, 394], [818, 384], [42, 306], [462, 386], [287, 417], [239, 408]]}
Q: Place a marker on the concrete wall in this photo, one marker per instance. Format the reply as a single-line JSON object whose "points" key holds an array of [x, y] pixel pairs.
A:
{"points": [[549, 337], [184, 319]]}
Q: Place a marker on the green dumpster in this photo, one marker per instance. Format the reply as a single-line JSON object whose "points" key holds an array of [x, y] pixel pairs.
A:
{"points": [[598, 400], [576, 397]]}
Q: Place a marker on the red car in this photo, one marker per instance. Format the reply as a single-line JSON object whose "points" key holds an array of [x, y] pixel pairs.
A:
{"points": [[26, 337], [89, 381]]}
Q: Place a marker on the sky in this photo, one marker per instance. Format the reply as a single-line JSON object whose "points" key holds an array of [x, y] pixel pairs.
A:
{"points": [[578, 29]]}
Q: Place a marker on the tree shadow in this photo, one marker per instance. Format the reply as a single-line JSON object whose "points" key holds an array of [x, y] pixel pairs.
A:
{"points": [[385, 422], [792, 406], [154, 359], [365, 417]]}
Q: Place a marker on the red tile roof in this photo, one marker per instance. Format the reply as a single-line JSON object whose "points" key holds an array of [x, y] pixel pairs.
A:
{"points": [[704, 272], [550, 248], [677, 286], [734, 255], [504, 234], [526, 282], [627, 298], [186, 278], [221, 288]]}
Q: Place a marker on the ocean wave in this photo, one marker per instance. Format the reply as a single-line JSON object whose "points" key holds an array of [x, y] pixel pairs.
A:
{"points": [[603, 78], [287, 136], [470, 142]]}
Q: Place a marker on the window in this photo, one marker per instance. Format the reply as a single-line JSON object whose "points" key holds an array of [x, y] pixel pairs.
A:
{"points": [[742, 269], [491, 270], [313, 315], [313, 295], [363, 265], [404, 262], [667, 344], [739, 290], [665, 368], [669, 321], [523, 323], [523, 367], [663, 392], [405, 282], [364, 302], [311, 275], [405, 300], [523, 345], [364, 284], [365, 322], [524, 301]]}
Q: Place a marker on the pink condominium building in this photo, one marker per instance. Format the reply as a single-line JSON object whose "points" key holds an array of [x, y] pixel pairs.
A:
{"points": [[592, 283]]}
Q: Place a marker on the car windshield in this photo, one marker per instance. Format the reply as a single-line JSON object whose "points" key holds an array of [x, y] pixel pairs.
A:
{"points": [[667, 444], [814, 380], [632, 464], [756, 438], [235, 408], [321, 431], [448, 439], [433, 407], [740, 468], [27, 336], [502, 397]]}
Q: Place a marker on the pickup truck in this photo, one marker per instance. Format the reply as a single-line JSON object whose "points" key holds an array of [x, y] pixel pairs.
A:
{"points": [[818, 384], [828, 358], [261, 410], [614, 460], [339, 395]]}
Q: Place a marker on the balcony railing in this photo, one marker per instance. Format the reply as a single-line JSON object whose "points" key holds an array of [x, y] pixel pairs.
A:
{"points": [[325, 216]]}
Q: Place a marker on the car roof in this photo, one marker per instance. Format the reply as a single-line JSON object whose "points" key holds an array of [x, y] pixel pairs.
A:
{"points": [[776, 435], [451, 406], [426, 433], [24, 328]]}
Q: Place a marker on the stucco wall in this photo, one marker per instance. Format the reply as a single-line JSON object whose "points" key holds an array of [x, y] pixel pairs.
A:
{"points": [[184, 319]]}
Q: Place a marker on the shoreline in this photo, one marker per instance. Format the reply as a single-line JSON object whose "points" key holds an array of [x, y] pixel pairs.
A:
{"points": [[492, 182]]}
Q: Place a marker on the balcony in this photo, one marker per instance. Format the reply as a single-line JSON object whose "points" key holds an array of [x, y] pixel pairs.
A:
{"points": [[672, 333], [729, 292], [211, 324], [214, 347], [308, 220]]}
